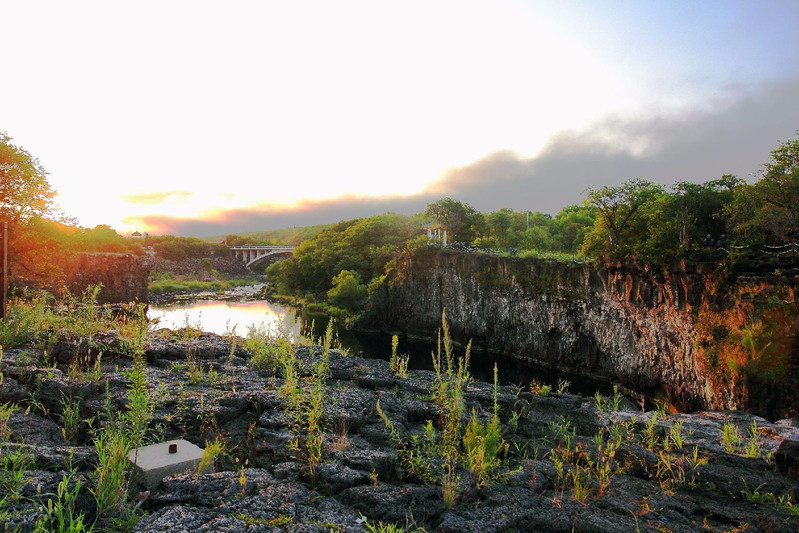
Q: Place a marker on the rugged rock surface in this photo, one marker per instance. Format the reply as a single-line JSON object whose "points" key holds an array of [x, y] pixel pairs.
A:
{"points": [[263, 481], [122, 277], [633, 326]]}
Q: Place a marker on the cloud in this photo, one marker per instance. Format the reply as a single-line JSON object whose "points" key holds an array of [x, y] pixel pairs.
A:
{"points": [[153, 198], [692, 146], [695, 145]]}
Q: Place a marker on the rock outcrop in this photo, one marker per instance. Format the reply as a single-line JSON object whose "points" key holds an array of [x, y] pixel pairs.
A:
{"points": [[122, 277], [263, 481], [629, 325]]}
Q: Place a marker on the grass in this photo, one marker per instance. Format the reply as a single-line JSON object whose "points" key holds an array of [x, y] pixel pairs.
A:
{"points": [[166, 286], [59, 512], [783, 501], [70, 418], [606, 404]]}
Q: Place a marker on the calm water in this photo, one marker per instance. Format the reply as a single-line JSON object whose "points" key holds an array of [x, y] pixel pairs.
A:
{"points": [[220, 316]]}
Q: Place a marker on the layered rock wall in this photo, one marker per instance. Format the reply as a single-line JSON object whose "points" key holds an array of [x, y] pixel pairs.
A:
{"points": [[122, 277], [626, 325]]}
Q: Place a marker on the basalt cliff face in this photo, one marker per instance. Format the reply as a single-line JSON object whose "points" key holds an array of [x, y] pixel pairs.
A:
{"points": [[651, 332], [122, 278]]}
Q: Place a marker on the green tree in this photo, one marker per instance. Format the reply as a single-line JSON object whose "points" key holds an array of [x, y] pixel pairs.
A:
{"points": [[462, 220], [25, 192], [26, 203], [620, 223], [364, 245], [768, 211], [347, 290]]}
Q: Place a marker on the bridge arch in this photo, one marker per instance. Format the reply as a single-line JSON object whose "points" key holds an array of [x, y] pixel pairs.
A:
{"points": [[251, 255]]}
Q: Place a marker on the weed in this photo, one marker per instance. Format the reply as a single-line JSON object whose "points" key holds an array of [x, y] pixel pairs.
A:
{"points": [[212, 450], [730, 438], [678, 470], [536, 387], [769, 498], [621, 432], [563, 386], [608, 403], [752, 447], [449, 385], [482, 444], [14, 463], [110, 476], [59, 513], [415, 457], [5, 414], [392, 362], [70, 418], [651, 438], [675, 437], [340, 440]]}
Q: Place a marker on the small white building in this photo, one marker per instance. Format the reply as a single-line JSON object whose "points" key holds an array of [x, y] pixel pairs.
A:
{"points": [[436, 232]]}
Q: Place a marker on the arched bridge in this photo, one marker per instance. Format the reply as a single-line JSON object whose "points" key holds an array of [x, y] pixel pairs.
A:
{"points": [[252, 254]]}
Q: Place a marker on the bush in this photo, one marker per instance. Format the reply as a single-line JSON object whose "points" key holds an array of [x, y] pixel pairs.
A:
{"points": [[348, 291]]}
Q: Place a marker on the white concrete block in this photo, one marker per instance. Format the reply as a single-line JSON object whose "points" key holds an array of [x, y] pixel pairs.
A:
{"points": [[154, 463]]}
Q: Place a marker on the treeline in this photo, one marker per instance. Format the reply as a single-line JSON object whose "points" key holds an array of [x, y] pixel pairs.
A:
{"points": [[179, 248], [277, 237], [637, 220]]}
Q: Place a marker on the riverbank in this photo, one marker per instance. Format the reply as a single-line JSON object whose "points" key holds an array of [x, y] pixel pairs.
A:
{"points": [[316, 440]]}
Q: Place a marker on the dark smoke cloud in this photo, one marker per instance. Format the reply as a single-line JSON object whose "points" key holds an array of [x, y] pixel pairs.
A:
{"points": [[694, 146]]}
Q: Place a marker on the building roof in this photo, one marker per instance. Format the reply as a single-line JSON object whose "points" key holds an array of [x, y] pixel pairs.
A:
{"points": [[435, 224]]}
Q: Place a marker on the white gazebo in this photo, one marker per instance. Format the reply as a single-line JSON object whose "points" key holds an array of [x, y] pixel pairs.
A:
{"points": [[436, 232]]}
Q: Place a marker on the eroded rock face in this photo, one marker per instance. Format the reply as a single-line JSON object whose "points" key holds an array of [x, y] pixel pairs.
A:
{"points": [[263, 480], [122, 277], [628, 326]]}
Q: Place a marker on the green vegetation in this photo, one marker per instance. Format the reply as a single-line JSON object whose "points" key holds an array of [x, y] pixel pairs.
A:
{"points": [[164, 286], [355, 253], [398, 363], [437, 454], [42, 320], [178, 248], [278, 237]]}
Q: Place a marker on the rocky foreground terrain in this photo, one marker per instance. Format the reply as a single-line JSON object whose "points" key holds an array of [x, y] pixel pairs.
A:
{"points": [[675, 472]]}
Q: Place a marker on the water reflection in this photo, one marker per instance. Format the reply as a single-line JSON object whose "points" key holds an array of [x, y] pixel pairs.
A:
{"points": [[220, 317]]}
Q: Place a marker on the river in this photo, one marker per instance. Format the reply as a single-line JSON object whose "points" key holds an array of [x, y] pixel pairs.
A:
{"points": [[221, 316]]}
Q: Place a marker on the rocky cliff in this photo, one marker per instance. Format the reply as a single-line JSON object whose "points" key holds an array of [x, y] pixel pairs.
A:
{"points": [[122, 277], [659, 333]]}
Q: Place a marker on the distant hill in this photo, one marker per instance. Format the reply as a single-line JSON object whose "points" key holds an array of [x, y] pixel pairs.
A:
{"points": [[286, 236]]}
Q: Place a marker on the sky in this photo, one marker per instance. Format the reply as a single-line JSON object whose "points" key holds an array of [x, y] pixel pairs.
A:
{"points": [[207, 118]]}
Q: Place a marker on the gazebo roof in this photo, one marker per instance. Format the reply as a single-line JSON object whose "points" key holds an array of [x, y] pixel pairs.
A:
{"points": [[435, 224]]}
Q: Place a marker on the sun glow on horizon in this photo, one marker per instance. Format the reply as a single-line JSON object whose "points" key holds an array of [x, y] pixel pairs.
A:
{"points": [[203, 110]]}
